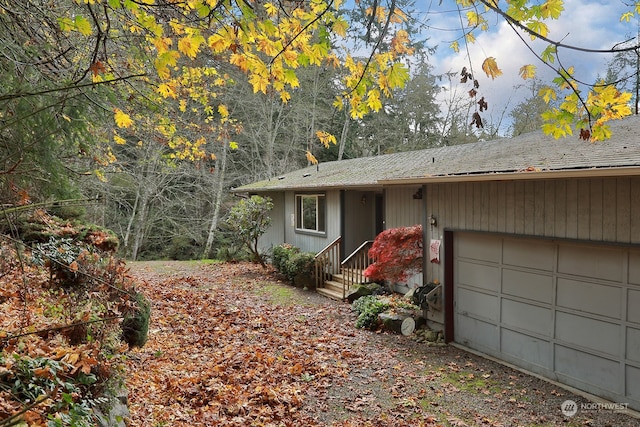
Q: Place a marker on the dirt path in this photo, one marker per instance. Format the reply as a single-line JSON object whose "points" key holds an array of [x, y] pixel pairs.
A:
{"points": [[231, 345]]}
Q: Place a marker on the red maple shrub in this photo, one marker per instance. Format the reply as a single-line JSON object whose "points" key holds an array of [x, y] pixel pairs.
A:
{"points": [[397, 254]]}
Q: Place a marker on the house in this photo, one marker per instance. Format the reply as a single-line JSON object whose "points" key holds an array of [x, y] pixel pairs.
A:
{"points": [[539, 244]]}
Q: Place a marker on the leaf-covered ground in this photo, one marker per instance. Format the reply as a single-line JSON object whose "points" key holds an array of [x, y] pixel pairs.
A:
{"points": [[231, 345]]}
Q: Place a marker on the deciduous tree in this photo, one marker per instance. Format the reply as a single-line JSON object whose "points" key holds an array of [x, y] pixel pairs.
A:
{"points": [[397, 253], [249, 219]]}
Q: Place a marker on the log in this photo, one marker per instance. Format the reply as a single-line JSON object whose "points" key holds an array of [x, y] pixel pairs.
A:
{"points": [[402, 324]]}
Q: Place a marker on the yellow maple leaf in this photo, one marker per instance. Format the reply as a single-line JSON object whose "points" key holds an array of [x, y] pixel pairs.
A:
{"points": [[267, 46], [557, 123], [162, 44], [340, 27], [285, 96], [164, 61], [528, 71], [455, 46], [472, 19], [600, 132], [167, 90], [373, 100], [398, 75], [326, 138], [552, 9], [311, 158], [190, 45], [490, 67], [219, 42], [538, 27], [259, 82], [626, 17], [122, 119], [272, 10], [223, 111], [239, 61], [547, 93], [83, 26], [290, 78], [118, 139], [470, 37], [317, 52]]}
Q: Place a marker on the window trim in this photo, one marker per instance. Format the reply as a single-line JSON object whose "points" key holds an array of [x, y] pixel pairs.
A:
{"points": [[298, 213]]}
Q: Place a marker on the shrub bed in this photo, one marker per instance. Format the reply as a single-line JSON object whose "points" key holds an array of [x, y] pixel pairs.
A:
{"points": [[296, 266]]}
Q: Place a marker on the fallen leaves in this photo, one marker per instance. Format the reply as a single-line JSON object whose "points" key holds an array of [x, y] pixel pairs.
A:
{"points": [[224, 357], [222, 352]]}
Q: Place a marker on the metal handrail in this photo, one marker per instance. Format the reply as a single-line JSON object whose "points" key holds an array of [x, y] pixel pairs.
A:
{"points": [[327, 262], [354, 265]]}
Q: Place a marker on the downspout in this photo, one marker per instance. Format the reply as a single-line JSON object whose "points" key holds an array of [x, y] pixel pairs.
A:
{"points": [[287, 216], [425, 238]]}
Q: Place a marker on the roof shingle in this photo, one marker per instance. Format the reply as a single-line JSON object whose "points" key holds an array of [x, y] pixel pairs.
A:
{"points": [[506, 155]]}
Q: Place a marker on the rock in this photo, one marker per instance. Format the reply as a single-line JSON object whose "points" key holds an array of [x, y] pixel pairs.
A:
{"points": [[363, 290], [431, 336], [118, 413]]}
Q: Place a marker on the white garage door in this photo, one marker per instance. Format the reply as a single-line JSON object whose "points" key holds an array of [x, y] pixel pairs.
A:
{"points": [[569, 311]]}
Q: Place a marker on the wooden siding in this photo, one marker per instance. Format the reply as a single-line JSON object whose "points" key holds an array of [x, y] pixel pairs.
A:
{"points": [[598, 209], [401, 209], [312, 242], [275, 234], [590, 209]]}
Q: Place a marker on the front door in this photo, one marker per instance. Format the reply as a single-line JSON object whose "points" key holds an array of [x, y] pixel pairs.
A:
{"points": [[362, 218]]}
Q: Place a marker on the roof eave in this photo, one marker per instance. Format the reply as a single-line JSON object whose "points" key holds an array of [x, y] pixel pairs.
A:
{"points": [[361, 186], [608, 172]]}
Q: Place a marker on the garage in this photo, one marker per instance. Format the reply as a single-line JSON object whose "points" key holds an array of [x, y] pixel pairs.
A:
{"points": [[567, 310]]}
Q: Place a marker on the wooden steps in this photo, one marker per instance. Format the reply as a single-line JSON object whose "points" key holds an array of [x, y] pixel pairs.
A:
{"points": [[333, 288]]}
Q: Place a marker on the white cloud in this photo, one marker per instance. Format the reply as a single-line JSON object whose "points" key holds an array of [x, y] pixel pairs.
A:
{"points": [[584, 24]]}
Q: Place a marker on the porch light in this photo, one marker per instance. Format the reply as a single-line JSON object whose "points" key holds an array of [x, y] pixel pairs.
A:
{"points": [[433, 221], [363, 200]]}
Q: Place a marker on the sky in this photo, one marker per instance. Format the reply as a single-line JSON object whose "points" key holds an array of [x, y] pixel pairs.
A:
{"points": [[584, 23]]}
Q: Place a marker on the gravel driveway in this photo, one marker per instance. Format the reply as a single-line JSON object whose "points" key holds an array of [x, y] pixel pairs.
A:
{"points": [[360, 377]]}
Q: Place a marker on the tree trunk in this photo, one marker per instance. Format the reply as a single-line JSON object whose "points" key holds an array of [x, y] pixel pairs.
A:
{"points": [[220, 175], [140, 225], [402, 324], [345, 131], [127, 234]]}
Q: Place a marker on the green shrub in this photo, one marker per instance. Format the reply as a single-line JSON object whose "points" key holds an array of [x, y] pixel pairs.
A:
{"points": [[232, 253], [135, 326], [183, 248], [290, 262], [368, 307], [280, 256], [31, 379], [300, 265], [60, 256]]}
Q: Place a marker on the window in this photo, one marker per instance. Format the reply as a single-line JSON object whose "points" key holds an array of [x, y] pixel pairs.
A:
{"points": [[310, 212]]}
